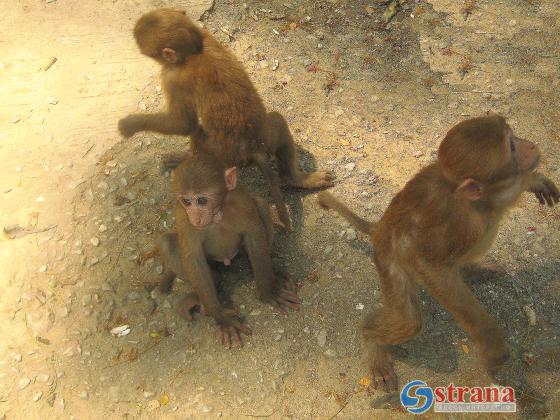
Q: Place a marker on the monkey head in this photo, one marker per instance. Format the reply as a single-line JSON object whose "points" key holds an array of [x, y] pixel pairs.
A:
{"points": [[168, 36], [201, 188], [484, 159]]}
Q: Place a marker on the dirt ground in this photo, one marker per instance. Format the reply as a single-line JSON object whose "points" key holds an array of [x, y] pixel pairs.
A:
{"points": [[370, 103]]}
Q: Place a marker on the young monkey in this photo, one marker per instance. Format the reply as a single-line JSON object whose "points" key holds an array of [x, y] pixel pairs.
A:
{"points": [[215, 219], [444, 218]]}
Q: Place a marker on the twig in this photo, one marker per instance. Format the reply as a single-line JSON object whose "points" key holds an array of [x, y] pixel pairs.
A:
{"points": [[88, 150], [343, 406]]}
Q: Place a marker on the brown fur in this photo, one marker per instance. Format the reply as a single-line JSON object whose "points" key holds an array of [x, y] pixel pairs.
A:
{"points": [[245, 224], [445, 217], [211, 98]]}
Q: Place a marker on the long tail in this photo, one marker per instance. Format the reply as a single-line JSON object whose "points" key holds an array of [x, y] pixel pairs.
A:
{"points": [[328, 201]]}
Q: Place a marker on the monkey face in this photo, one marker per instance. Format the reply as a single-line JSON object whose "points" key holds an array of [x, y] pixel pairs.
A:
{"points": [[202, 209], [525, 155]]}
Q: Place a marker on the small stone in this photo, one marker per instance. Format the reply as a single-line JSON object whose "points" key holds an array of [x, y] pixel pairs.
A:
{"points": [[42, 377], [16, 357], [148, 394], [528, 358], [360, 307], [42, 269], [51, 100], [350, 166], [263, 64], [328, 249], [278, 337], [159, 269], [153, 405], [37, 396], [322, 338], [134, 295], [351, 234], [23, 382], [255, 312], [417, 154], [103, 228], [83, 395], [94, 241], [509, 82], [338, 112], [205, 409], [330, 353]]}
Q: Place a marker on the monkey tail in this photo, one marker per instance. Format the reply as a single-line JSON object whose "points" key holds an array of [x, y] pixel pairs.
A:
{"points": [[328, 201]]}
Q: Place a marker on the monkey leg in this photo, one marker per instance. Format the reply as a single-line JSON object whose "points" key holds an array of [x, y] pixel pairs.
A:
{"points": [[266, 218], [168, 248], [264, 165], [398, 320], [284, 147], [452, 293]]}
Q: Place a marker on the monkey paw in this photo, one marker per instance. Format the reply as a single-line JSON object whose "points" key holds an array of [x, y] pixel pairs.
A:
{"points": [[230, 327], [127, 126], [188, 305], [285, 297], [546, 192], [314, 180]]}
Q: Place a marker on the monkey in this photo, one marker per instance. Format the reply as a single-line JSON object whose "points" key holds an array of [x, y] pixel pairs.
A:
{"points": [[444, 218], [216, 218], [211, 99]]}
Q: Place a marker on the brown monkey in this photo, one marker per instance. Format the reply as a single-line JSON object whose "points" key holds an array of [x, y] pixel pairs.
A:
{"points": [[215, 219], [211, 99], [482, 169]]}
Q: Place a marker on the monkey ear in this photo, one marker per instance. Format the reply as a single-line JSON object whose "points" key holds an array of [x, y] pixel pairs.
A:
{"points": [[169, 55], [230, 175], [470, 190]]}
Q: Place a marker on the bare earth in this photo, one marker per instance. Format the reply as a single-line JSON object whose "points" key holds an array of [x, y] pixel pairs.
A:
{"points": [[371, 104]]}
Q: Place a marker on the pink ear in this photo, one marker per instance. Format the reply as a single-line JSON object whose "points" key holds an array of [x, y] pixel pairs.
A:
{"points": [[470, 190], [169, 55], [230, 175]]}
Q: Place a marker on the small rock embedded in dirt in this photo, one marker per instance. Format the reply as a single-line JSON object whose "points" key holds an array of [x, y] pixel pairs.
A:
{"points": [[322, 338], [42, 377], [153, 405], [23, 382], [417, 154], [42, 269], [330, 353], [528, 358], [531, 315], [360, 306], [351, 234], [148, 394], [94, 241], [328, 249], [52, 100], [102, 228], [37, 396], [83, 395], [16, 357], [350, 166]]}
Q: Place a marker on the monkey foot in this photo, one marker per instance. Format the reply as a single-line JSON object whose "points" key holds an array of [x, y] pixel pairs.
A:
{"points": [[188, 305], [230, 327], [384, 376], [285, 297], [314, 180]]}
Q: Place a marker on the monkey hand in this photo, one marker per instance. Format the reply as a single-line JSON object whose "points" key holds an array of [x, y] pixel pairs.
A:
{"points": [[230, 327], [545, 191], [284, 296], [188, 304], [128, 126]]}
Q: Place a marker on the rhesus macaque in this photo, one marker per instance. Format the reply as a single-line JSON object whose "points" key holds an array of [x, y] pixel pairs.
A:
{"points": [[215, 219], [211, 99], [445, 217]]}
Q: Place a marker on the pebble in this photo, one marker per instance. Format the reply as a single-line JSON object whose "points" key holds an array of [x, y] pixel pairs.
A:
{"points": [[205, 409], [322, 338], [350, 166], [351, 234], [83, 395], [328, 249], [330, 353], [102, 228], [43, 268], [42, 377], [16, 357], [360, 306], [52, 100], [37, 396], [94, 241], [417, 154], [86, 300], [148, 394], [23, 382], [153, 404], [134, 295], [159, 269]]}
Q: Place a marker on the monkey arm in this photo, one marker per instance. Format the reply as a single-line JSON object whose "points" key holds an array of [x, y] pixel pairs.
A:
{"points": [[544, 189], [161, 122], [258, 249]]}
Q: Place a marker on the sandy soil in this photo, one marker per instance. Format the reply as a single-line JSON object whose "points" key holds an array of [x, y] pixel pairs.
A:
{"points": [[371, 104]]}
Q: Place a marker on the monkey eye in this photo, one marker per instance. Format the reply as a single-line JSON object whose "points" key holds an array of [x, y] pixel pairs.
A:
{"points": [[186, 201], [201, 201]]}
